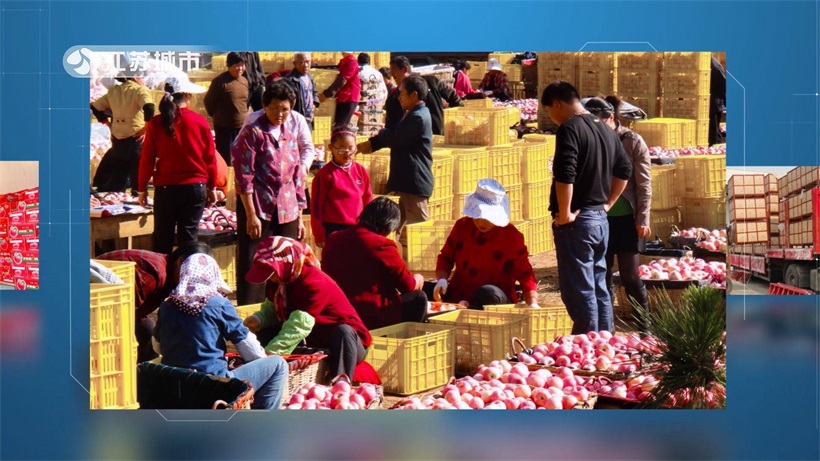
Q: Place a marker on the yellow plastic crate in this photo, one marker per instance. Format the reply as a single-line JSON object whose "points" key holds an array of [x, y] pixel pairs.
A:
{"points": [[413, 357], [535, 161], [309, 237], [113, 347], [442, 174], [662, 222], [540, 236], [505, 164], [379, 171], [709, 213], [219, 63], [536, 200], [516, 195], [247, 310], [321, 129], [694, 83], [524, 228], [424, 243], [688, 107], [644, 60], [469, 165], [477, 70], [702, 133], [597, 60], [225, 256], [440, 209], [230, 194], [701, 176], [549, 139], [671, 133], [458, 205], [481, 103], [687, 61], [638, 81], [479, 127], [592, 81], [545, 323], [438, 139], [125, 270], [649, 102], [503, 58], [664, 187], [481, 336], [514, 72]]}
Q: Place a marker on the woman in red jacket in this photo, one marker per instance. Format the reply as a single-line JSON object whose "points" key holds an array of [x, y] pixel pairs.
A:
{"points": [[294, 281], [369, 270], [340, 190], [488, 252], [178, 152]]}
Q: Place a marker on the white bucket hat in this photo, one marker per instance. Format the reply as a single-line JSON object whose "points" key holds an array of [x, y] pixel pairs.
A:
{"points": [[182, 85], [489, 201], [493, 64]]}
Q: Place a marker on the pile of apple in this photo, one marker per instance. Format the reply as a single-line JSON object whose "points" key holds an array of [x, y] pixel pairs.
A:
{"points": [[638, 388], [536, 390], [341, 396], [662, 152], [594, 351], [528, 107], [116, 198], [686, 268], [217, 219], [100, 141]]}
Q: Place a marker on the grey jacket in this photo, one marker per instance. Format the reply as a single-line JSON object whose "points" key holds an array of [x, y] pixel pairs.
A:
{"points": [[638, 190]]}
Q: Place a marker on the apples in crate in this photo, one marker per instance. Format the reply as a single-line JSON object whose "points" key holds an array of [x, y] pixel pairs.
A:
{"points": [[438, 308]]}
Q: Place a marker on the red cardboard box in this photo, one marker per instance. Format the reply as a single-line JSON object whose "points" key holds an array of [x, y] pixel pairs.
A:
{"points": [[30, 197], [33, 216]]}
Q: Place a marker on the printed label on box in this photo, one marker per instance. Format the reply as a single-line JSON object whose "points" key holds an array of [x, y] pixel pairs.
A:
{"points": [[17, 217], [17, 244], [20, 257], [33, 216], [24, 231], [32, 245], [4, 244], [31, 196]]}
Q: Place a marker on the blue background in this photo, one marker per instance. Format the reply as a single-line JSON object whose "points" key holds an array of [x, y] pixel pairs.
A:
{"points": [[772, 50]]}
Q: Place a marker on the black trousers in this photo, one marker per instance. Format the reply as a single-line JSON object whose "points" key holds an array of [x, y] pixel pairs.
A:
{"points": [[344, 112], [223, 139], [255, 97], [250, 293], [331, 228], [177, 210], [485, 295], [346, 351], [414, 306], [119, 167]]}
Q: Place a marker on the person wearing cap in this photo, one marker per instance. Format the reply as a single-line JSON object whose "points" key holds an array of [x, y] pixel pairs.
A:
{"points": [[346, 89], [340, 189], [293, 281], [196, 320], [156, 274], [227, 103], [629, 216], [132, 107], [179, 154], [270, 182], [590, 171], [411, 154], [489, 254], [435, 94], [369, 270], [494, 83]]}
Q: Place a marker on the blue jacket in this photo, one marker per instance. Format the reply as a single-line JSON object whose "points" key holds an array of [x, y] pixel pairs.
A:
{"points": [[198, 342]]}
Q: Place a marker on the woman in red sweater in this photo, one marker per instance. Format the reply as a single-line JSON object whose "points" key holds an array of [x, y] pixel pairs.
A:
{"points": [[294, 281], [340, 189], [369, 270], [178, 152], [488, 252]]}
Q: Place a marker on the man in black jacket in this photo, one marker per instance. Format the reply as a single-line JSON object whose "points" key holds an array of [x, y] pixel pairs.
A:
{"points": [[256, 79], [437, 91], [307, 96], [411, 154], [590, 171]]}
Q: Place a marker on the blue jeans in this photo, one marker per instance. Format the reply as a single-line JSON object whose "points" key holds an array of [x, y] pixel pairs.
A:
{"points": [[580, 248], [268, 376]]}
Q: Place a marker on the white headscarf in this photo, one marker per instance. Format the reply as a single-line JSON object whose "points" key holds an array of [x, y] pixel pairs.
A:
{"points": [[199, 281]]}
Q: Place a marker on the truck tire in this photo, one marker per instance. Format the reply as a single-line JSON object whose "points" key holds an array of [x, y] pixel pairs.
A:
{"points": [[797, 275]]}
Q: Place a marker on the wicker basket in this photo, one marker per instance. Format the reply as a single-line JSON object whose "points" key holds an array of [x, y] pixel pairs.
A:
{"points": [[165, 387], [302, 373]]}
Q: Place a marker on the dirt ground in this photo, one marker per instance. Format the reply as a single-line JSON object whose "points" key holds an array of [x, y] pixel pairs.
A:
{"points": [[546, 274]]}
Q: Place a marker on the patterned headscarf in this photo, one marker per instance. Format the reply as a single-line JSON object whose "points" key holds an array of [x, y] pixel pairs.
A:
{"points": [[284, 257], [199, 281]]}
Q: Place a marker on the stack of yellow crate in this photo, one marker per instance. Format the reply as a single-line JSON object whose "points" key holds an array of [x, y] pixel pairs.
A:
{"points": [[597, 73], [551, 67], [470, 163], [686, 88], [536, 174], [638, 76], [701, 182]]}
